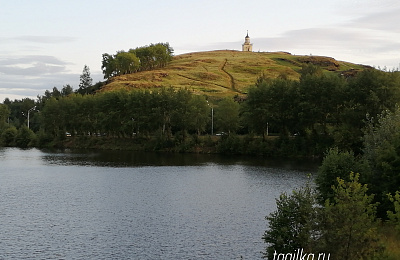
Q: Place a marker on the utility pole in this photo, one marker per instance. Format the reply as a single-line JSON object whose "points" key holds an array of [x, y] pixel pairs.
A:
{"points": [[29, 111]]}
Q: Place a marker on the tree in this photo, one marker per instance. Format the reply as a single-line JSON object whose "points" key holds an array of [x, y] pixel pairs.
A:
{"points": [[139, 106], [283, 101], [227, 115], [153, 56], [373, 91], [8, 136], [394, 216], [344, 226], [25, 137], [4, 114], [182, 118], [19, 111], [139, 59], [349, 231], [85, 81], [321, 99], [110, 107], [145, 55], [199, 113], [382, 152], [66, 90], [293, 224], [53, 118], [272, 104], [109, 66], [336, 164], [126, 63], [255, 111]]}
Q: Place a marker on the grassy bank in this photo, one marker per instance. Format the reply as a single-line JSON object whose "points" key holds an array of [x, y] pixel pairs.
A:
{"points": [[391, 240]]}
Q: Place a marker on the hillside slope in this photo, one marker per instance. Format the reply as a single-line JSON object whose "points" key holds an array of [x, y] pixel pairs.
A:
{"points": [[225, 73]]}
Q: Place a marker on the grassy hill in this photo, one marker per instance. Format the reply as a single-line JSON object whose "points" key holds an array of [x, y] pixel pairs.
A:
{"points": [[225, 73]]}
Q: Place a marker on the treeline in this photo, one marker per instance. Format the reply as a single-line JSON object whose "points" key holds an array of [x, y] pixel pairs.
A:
{"points": [[330, 108], [124, 114], [139, 59], [353, 210], [278, 117]]}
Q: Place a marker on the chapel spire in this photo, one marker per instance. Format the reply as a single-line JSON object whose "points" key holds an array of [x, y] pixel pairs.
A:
{"points": [[247, 46]]}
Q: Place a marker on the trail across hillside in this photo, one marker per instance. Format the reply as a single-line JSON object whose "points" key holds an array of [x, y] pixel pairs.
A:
{"points": [[231, 79]]}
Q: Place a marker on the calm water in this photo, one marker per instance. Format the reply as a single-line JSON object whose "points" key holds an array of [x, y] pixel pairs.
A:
{"points": [[124, 205]]}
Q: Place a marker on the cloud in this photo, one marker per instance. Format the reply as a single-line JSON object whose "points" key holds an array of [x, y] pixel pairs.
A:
{"points": [[38, 39], [385, 20], [13, 86], [340, 38], [44, 39], [31, 75], [22, 86], [32, 65]]}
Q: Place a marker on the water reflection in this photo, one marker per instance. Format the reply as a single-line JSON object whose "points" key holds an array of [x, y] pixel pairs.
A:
{"points": [[127, 205], [135, 159]]}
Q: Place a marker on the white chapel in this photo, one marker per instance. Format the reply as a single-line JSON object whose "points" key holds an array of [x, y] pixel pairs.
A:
{"points": [[247, 46]]}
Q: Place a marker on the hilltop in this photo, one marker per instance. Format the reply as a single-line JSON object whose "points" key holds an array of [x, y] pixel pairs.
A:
{"points": [[226, 72]]}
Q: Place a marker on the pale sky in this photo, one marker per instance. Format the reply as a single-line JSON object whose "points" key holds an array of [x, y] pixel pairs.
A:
{"points": [[46, 43]]}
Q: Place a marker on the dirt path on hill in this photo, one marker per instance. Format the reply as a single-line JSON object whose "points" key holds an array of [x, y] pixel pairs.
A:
{"points": [[232, 80]]}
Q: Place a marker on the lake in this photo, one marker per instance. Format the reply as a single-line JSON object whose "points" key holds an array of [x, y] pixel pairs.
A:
{"points": [[136, 205]]}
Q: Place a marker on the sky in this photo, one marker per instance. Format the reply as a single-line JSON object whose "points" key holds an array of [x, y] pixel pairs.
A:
{"points": [[46, 43]]}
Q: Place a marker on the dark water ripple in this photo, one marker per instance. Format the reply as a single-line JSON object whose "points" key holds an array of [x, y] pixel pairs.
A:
{"points": [[63, 205]]}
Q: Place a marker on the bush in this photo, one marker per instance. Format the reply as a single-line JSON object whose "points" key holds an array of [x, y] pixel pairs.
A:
{"points": [[8, 136], [394, 217], [25, 137], [230, 144], [345, 227], [292, 225], [336, 164], [44, 139], [350, 228]]}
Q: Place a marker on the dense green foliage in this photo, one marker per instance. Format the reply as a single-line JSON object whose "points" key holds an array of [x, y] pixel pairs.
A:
{"points": [[344, 227], [4, 114], [382, 152], [349, 230], [25, 137], [328, 110], [394, 216], [337, 164], [227, 116], [8, 136], [378, 165], [139, 59], [124, 114], [292, 225], [309, 116]]}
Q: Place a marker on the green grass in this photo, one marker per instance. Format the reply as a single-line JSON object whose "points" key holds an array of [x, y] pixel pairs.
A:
{"points": [[391, 240], [224, 73]]}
